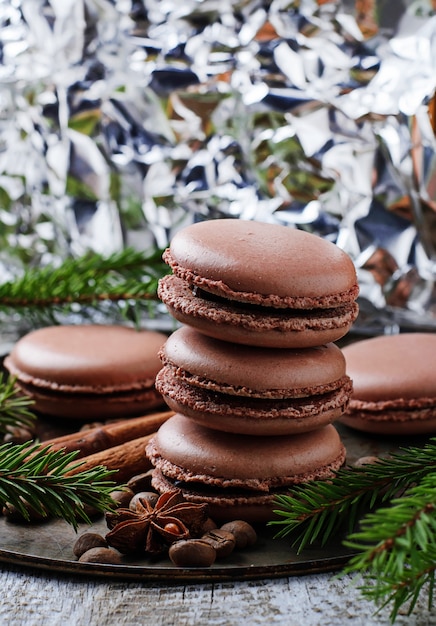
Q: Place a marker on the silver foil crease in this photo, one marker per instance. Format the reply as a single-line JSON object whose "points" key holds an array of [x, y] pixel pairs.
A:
{"points": [[122, 121]]}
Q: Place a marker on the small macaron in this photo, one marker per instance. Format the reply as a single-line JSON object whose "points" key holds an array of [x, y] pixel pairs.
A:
{"points": [[259, 284], [394, 384], [252, 390], [88, 371], [239, 476]]}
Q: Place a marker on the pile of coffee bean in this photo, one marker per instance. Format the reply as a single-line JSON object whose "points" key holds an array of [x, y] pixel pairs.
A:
{"points": [[214, 543], [92, 548]]}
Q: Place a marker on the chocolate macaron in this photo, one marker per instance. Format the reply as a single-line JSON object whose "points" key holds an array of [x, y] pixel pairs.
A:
{"points": [[239, 476], [88, 372], [252, 390], [259, 284], [394, 384]]}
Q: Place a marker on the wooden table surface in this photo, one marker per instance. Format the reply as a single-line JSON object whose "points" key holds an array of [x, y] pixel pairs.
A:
{"points": [[35, 598]]}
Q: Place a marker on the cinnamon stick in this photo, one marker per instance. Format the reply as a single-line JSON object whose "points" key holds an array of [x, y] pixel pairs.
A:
{"points": [[94, 440], [128, 458]]}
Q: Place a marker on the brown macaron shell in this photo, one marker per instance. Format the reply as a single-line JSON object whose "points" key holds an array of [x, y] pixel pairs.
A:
{"points": [[394, 384], [88, 371], [260, 284], [251, 390], [228, 470]]}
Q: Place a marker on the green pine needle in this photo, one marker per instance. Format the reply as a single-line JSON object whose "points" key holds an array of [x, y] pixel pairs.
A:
{"points": [[14, 407], [32, 475], [90, 281], [387, 512], [124, 283], [396, 549], [314, 511]]}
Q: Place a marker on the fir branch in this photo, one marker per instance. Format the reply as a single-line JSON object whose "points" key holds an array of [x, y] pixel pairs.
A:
{"points": [[396, 549], [32, 475], [314, 511], [14, 407], [87, 281], [394, 546]]}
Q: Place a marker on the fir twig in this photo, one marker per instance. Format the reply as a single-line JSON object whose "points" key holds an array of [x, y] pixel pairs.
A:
{"points": [[88, 281], [394, 546], [315, 511], [32, 474], [396, 549], [15, 409]]}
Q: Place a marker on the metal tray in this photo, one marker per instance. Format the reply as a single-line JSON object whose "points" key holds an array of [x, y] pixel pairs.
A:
{"points": [[48, 545]]}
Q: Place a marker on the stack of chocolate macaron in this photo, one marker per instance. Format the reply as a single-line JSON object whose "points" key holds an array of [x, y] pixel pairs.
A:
{"points": [[252, 373]]}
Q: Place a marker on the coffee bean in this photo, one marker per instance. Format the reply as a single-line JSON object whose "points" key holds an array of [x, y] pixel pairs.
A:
{"points": [[16, 434], [140, 482], [122, 497], [150, 496], [209, 524], [244, 533], [366, 460], [13, 514], [222, 541], [87, 541], [192, 553], [101, 555]]}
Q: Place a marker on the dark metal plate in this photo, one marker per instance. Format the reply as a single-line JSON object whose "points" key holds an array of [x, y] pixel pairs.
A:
{"points": [[49, 545]]}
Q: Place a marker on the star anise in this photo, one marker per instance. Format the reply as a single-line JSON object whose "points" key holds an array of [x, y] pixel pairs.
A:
{"points": [[153, 529]]}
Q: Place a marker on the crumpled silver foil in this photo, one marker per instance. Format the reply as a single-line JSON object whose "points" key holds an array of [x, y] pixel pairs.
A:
{"points": [[122, 121]]}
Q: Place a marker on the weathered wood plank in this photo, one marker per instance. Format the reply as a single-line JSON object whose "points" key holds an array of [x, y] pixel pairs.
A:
{"points": [[33, 598]]}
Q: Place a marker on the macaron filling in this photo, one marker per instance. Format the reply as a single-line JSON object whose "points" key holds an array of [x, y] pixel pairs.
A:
{"points": [[50, 386], [269, 404], [398, 411], [183, 300], [76, 394], [173, 372], [201, 492]]}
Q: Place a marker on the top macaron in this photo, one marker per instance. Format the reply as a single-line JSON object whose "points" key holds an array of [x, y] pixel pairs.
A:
{"points": [[259, 284]]}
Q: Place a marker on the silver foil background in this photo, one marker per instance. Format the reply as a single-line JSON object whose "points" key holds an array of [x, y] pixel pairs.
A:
{"points": [[122, 121]]}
